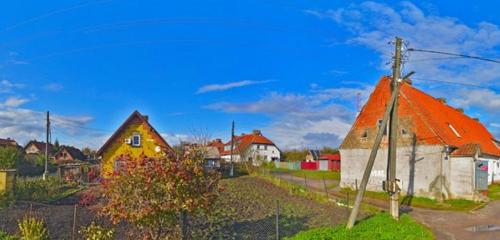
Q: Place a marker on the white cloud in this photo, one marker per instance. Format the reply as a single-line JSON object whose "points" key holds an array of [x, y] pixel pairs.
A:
{"points": [[226, 86], [480, 98], [14, 102], [175, 138], [302, 120], [6, 86], [53, 87], [374, 24]]}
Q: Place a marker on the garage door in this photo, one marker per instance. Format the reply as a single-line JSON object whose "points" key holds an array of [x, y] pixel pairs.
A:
{"points": [[323, 165]]}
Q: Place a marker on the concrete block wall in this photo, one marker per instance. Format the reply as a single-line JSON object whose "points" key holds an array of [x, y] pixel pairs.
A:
{"points": [[421, 170]]}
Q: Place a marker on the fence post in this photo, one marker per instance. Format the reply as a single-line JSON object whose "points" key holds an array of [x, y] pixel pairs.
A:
{"points": [[74, 223], [326, 189], [347, 205], [356, 185], [277, 219], [305, 180]]}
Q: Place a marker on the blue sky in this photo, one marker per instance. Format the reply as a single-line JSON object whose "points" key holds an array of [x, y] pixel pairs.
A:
{"points": [[293, 69]]}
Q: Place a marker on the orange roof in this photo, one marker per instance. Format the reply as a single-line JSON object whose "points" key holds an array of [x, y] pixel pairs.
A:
{"points": [[245, 140], [433, 121]]}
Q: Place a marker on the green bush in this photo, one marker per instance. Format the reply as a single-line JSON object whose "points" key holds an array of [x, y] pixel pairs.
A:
{"points": [[37, 189], [9, 156], [380, 226], [32, 229], [96, 232], [5, 236]]}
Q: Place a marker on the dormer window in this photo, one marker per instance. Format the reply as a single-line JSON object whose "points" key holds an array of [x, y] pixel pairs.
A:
{"points": [[136, 140], [454, 130]]}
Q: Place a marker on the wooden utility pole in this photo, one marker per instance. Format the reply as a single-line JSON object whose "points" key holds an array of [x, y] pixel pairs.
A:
{"points": [[392, 185], [46, 172], [231, 171], [378, 139]]}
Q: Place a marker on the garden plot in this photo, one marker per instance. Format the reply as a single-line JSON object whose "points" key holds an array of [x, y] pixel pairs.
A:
{"points": [[246, 209]]}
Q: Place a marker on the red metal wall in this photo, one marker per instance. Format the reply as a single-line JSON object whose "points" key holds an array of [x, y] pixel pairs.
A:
{"points": [[309, 165]]}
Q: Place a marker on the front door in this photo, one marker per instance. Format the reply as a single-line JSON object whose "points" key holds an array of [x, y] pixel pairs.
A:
{"points": [[481, 175]]}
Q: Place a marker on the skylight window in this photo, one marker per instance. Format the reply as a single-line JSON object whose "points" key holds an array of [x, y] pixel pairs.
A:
{"points": [[454, 130]]}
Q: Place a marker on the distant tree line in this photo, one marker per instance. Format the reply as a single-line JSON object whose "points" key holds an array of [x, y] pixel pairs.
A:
{"points": [[295, 155]]}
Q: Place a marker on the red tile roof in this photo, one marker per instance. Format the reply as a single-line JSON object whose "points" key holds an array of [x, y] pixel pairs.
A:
{"points": [[8, 142], [245, 140], [434, 122]]}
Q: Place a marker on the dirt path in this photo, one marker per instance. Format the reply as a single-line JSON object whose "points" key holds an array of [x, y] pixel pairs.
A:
{"points": [[453, 225], [446, 225]]}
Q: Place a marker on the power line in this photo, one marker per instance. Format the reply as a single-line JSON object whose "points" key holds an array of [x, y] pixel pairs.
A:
{"points": [[453, 54], [456, 83]]}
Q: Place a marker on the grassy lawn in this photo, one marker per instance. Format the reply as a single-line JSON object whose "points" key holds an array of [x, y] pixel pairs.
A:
{"points": [[421, 202], [380, 226], [494, 191], [317, 175]]}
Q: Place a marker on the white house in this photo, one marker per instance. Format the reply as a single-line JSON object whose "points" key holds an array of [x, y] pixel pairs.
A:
{"points": [[252, 147]]}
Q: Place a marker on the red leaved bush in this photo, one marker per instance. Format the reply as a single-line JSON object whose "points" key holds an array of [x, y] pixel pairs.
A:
{"points": [[152, 193]]}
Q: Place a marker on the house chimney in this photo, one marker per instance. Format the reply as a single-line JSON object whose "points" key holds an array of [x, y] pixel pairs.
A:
{"points": [[441, 99], [256, 132], [146, 117]]}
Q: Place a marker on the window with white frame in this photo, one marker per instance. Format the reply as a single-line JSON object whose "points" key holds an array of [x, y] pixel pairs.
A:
{"points": [[136, 140]]}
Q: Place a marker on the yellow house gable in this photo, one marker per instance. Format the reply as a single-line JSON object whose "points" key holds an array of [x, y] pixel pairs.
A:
{"points": [[135, 138]]}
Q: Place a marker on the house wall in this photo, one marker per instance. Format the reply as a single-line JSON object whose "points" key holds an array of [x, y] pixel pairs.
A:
{"points": [[421, 170], [119, 148], [31, 149], [493, 170], [263, 152]]}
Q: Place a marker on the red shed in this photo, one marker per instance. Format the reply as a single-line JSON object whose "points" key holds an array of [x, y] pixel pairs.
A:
{"points": [[330, 162]]}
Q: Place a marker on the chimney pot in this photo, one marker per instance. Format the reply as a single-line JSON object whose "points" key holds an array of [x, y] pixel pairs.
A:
{"points": [[256, 132]]}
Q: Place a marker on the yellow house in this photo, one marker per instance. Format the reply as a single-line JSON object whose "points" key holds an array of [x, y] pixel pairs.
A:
{"points": [[135, 138]]}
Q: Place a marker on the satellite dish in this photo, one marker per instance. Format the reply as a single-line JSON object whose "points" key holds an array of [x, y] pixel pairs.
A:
{"points": [[157, 149]]}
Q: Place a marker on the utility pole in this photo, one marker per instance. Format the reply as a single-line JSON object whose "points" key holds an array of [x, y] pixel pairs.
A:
{"points": [[231, 172], [47, 133], [389, 111], [392, 183]]}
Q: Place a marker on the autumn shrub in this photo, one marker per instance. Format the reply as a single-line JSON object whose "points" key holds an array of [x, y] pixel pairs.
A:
{"points": [[96, 232], [158, 194], [31, 228]]}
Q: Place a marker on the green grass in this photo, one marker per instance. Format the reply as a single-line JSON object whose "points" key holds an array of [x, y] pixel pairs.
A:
{"points": [[494, 191], [422, 202], [39, 190], [5, 236], [380, 226], [317, 175]]}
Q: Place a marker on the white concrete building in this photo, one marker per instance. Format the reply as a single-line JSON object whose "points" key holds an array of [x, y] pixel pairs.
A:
{"points": [[441, 151]]}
